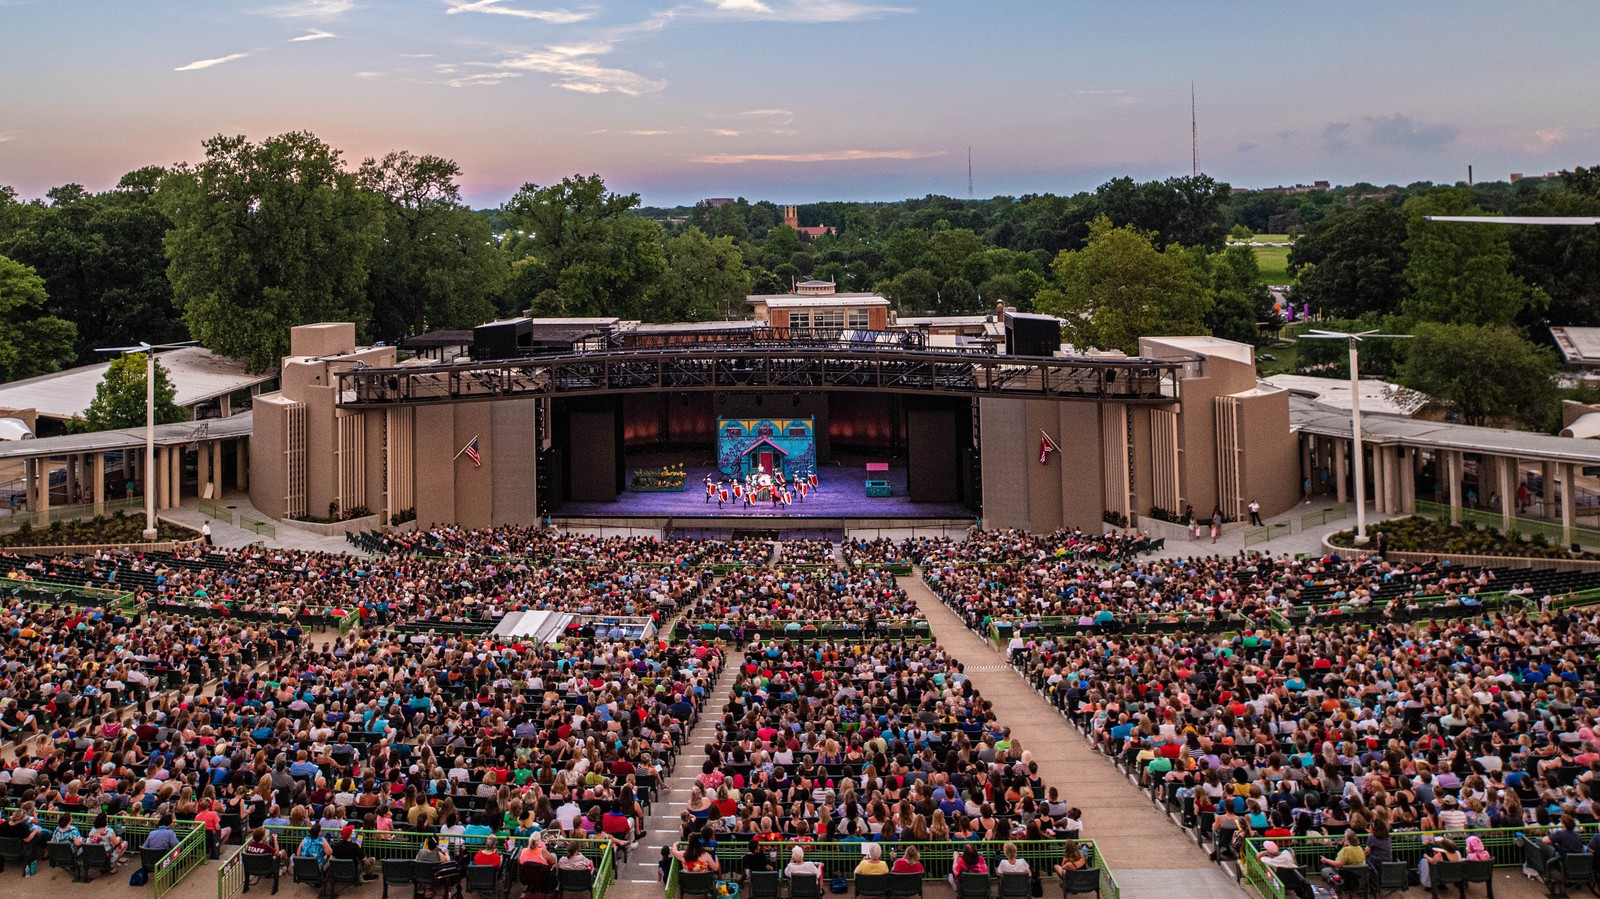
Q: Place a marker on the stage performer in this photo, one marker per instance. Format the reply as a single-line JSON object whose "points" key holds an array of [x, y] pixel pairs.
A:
{"points": [[788, 500], [803, 488], [775, 498], [722, 496], [813, 479], [711, 489]]}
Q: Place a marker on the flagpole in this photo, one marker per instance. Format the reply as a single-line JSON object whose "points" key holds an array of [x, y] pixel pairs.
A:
{"points": [[464, 448]]}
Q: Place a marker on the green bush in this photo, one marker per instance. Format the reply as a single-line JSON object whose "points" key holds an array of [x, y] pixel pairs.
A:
{"points": [[1428, 535], [120, 529]]}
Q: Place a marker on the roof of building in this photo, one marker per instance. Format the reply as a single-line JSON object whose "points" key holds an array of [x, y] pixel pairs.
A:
{"points": [[1312, 417], [1209, 346], [436, 339], [1578, 346], [1376, 396], [682, 327], [197, 375], [129, 438], [821, 301]]}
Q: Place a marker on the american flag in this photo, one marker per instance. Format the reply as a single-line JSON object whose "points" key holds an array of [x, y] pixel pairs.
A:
{"points": [[471, 449]]}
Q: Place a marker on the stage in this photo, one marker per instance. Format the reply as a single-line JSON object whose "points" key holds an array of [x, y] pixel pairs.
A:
{"points": [[841, 496]]}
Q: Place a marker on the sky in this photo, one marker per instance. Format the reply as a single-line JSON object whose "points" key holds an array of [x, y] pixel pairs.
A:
{"points": [[798, 101]]}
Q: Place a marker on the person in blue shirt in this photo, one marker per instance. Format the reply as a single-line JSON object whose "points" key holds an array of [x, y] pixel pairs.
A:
{"points": [[313, 846], [163, 837], [67, 832]]}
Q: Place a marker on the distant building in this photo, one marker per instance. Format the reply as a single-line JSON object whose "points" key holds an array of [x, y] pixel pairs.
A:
{"points": [[791, 218], [204, 384], [1580, 347], [715, 202], [816, 305]]}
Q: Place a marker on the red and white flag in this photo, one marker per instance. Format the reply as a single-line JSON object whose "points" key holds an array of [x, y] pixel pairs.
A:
{"points": [[471, 450], [1046, 447]]}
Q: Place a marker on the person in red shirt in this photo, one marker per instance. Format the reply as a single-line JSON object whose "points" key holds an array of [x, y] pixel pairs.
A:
{"points": [[488, 854]]}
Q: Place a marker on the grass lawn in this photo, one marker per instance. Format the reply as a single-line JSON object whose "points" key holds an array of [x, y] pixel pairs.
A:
{"points": [[1270, 238], [1274, 262]]}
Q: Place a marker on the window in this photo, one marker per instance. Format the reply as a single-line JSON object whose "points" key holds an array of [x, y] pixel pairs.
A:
{"points": [[860, 320], [797, 432], [735, 432], [828, 319], [800, 320], [764, 431]]}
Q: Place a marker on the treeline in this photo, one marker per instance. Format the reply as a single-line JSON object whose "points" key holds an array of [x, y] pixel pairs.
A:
{"points": [[260, 236]]}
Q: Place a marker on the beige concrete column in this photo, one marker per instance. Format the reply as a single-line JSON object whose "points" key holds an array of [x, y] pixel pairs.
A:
{"points": [[99, 475], [225, 405], [1455, 465], [215, 447], [1341, 458], [1376, 468], [156, 477], [1508, 493], [30, 484], [1306, 471], [202, 470], [176, 454], [44, 490], [241, 463], [1547, 496], [1408, 471], [1568, 488], [1391, 480]]}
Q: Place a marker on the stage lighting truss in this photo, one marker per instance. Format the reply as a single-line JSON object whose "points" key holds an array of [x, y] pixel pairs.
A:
{"points": [[694, 369]]}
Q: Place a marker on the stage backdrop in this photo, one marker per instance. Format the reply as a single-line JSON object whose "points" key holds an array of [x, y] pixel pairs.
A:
{"points": [[746, 445]]}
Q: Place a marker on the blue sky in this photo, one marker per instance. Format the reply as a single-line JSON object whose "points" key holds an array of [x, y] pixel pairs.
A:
{"points": [[798, 101]]}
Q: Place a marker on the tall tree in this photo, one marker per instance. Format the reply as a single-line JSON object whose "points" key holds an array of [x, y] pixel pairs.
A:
{"points": [[1482, 373], [705, 278], [102, 261], [31, 342], [1459, 273], [119, 397], [1240, 299], [1354, 263], [265, 237], [437, 266], [586, 254], [1119, 288]]}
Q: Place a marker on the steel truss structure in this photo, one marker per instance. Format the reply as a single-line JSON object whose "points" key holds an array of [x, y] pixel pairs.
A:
{"points": [[808, 369]]}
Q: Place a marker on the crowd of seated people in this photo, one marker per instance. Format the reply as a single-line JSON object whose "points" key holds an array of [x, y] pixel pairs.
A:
{"points": [[456, 736], [808, 552], [878, 551], [794, 599], [548, 543], [866, 741], [1460, 724]]}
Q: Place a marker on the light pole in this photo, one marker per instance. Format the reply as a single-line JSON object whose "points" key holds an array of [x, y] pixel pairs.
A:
{"points": [[1355, 417], [149, 352]]}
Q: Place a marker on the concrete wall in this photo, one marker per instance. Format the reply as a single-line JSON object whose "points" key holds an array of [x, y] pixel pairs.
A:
{"points": [[268, 464], [449, 488], [1271, 453], [1018, 492]]}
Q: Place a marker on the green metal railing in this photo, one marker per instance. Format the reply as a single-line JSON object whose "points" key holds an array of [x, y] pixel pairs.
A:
{"points": [[59, 592], [214, 510], [1407, 847], [10, 521], [1527, 526], [352, 617], [1265, 534], [390, 844], [840, 859], [190, 853], [257, 526], [1322, 516]]}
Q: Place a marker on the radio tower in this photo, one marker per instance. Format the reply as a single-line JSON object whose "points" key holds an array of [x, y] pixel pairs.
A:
{"points": [[1194, 132], [969, 173]]}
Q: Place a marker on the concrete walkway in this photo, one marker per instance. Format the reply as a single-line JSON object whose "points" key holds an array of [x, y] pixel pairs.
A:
{"points": [[225, 533], [1292, 539], [1147, 853]]}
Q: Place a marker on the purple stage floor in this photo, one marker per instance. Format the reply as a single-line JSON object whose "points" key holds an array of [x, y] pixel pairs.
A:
{"points": [[841, 496]]}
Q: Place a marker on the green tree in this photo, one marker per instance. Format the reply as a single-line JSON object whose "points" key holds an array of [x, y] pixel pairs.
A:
{"points": [[705, 278], [102, 261], [437, 266], [914, 291], [1240, 299], [265, 237], [1119, 288], [31, 342], [1353, 263], [586, 254], [1482, 373], [1459, 273], [119, 397]]}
